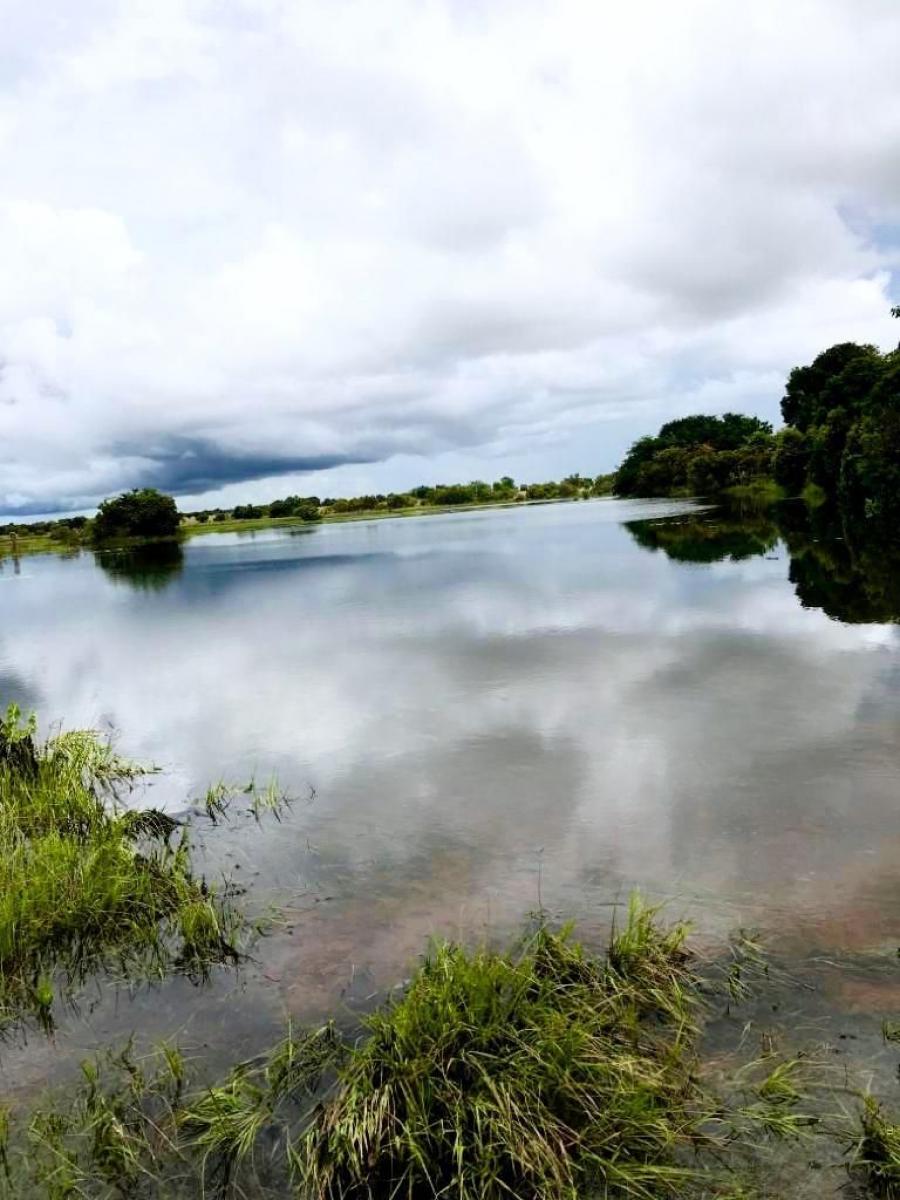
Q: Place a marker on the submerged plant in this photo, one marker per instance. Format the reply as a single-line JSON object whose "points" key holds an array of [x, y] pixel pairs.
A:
{"points": [[541, 1073], [875, 1154]]}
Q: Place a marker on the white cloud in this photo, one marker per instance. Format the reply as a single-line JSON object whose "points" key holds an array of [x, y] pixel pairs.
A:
{"points": [[262, 238]]}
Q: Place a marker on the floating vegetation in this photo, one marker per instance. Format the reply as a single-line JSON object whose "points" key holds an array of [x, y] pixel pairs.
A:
{"points": [[88, 885]]}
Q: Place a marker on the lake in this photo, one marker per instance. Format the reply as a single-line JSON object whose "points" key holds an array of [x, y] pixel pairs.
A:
{"points": [[483, 713]]}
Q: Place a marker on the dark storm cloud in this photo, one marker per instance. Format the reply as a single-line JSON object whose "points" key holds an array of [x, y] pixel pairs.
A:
{"points": [[186, 465]]}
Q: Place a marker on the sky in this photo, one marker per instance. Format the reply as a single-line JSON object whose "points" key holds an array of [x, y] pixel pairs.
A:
{"points": [[251, 248]]}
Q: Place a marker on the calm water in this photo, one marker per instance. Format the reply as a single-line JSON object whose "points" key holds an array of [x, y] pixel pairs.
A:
{"points": [[482, 712]]}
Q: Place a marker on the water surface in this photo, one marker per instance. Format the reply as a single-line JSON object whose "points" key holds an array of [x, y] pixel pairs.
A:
{"points": [[484, 712]]}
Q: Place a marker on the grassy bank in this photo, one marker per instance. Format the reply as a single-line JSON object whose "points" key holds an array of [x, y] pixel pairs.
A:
{"points": [[195, 529], [762, 491], [20, 547], [23, 546]]}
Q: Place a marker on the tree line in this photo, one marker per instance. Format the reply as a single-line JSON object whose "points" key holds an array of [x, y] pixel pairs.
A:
{"points": [[841, 437], [443, 495]]}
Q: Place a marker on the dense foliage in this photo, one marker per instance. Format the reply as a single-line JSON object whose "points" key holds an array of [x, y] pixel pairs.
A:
{"points": [[841, 434], [697, 455], [141, 513], [843, 418]]}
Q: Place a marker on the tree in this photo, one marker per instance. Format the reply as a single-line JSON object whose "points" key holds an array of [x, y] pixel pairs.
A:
{"points": [[792, 460], [141, 513], [308, 509], [808, 395]]}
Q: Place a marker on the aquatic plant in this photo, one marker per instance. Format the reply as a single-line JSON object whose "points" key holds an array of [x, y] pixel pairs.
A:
{"points": [[538, 1072], [87, 884], [543, 1071], [875, 1153]]}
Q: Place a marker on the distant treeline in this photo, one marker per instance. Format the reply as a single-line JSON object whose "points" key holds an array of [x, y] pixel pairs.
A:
{"points": [[441, 495], [147, 513]]}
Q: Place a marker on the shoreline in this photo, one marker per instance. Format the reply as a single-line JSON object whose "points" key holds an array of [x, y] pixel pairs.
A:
{"points": [[42, 544]]}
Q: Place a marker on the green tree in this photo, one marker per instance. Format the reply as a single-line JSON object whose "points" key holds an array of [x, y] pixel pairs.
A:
{"points": [[812, 391], [141, 513], [792, 458]]}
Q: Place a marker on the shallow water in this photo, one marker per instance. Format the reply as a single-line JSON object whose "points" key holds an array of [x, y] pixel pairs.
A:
{"points": [[486, 712]]}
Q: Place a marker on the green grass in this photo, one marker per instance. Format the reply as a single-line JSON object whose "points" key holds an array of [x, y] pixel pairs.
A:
{"points": [[765, 491], [540, 1072], [543, 1073], [813, 495], [876, 1151], [195, 529], [87, 885]]}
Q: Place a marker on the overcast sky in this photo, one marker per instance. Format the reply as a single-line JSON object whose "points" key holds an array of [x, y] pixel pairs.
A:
{"points": [[254, 247]]}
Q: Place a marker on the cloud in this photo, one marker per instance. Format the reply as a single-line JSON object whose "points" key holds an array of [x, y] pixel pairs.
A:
{"points": [[262, 240]]}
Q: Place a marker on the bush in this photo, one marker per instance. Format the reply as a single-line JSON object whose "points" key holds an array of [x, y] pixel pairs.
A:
{"points": [[141, 513]]}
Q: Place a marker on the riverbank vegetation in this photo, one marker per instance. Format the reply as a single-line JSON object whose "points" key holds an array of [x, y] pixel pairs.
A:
{"points": [[541, 1072], [841, 440], [146, 515], [477, 493], [90, 886], [143, 513]]}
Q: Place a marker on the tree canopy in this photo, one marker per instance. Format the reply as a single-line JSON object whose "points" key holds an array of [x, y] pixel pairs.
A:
{"points": [[841, 433], [140, 513], [698, 454]]}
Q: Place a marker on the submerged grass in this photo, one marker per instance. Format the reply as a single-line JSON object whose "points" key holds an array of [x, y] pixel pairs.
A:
{"points": [[540, 1072], [544, 1073], [86, 884], [875, 1155]]}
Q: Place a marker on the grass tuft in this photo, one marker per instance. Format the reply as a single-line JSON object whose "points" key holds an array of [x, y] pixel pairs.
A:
{"points": [[876, 1154], [541, 1073], [87, 885]]}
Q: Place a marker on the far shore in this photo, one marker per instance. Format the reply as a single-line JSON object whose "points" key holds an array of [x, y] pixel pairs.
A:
{"points": [[21, 547]]}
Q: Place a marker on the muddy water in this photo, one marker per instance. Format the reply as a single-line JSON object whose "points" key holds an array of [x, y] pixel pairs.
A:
{"points": [[486, 712]]}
